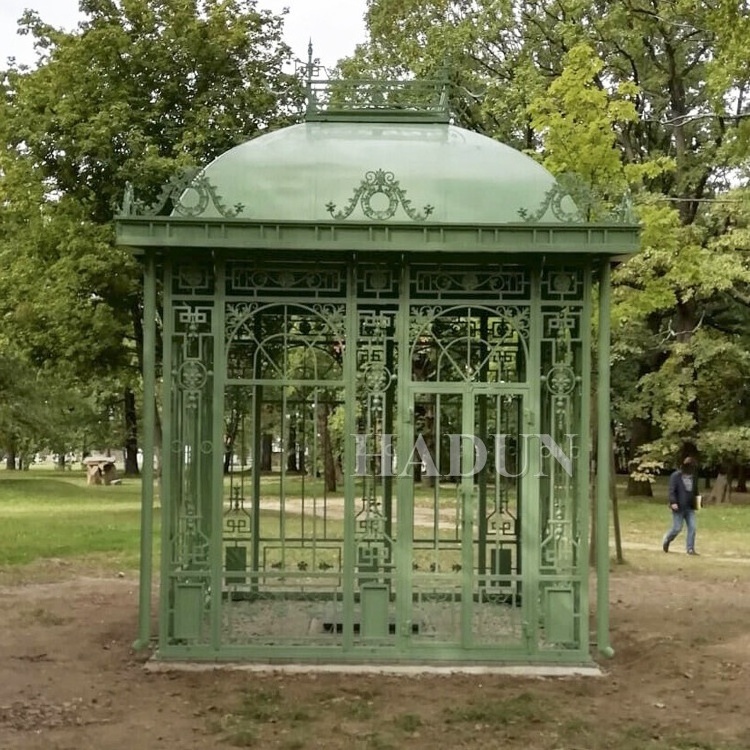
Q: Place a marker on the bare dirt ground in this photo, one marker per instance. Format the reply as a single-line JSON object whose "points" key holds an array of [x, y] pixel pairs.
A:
{"points": [[680, 679]]}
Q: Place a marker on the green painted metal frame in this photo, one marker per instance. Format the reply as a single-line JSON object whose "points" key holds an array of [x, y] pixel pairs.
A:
{"points": [[147, 471], [180, 233], [405, 649], [603, 457]]}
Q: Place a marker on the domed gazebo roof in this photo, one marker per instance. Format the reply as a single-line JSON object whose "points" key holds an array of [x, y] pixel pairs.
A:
{"points": [[379, 171], [377, 167]]}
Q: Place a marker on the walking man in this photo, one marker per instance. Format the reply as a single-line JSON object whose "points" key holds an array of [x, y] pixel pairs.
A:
{"points": [[683, 491]]}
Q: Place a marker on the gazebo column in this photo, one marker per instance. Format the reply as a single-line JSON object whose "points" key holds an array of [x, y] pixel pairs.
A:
{"points": [[215, 495], [603, 451], [350, 428], [583, 461], [166, 497], [147, 470]]}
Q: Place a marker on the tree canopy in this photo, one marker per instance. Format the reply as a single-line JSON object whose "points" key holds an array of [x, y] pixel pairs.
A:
{"points": [[138, 89], [645, 96], [641, 97]]}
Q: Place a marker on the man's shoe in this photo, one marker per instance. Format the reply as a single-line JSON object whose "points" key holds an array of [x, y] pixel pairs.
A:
{"points": [[693, 552], [665, 545]]}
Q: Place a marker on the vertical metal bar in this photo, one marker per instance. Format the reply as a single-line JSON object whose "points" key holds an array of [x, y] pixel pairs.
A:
{"points": [[467, 517], [350, 427], [217, 488], [389, 406], [483, 417], [583, 468], [257, 452], [167, 457], [285, 425], [436, 431], [602, 466], [405, 479], [528, 509], [147, 471]]}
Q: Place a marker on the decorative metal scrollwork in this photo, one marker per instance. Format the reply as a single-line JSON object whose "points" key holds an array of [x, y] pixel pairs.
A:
{"points": [[379, 182], [192, 375], [188, 192], [561, 380], [375, 377], [572, 201]]}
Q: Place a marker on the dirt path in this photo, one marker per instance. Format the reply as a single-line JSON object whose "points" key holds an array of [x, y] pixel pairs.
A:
{"points": [[69, 681]]}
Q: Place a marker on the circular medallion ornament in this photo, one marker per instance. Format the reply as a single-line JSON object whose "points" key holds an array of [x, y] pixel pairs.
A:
{"points": [[193, 202], [561, 380], [192, 375], [376, 377], [385, 207], [562, 283], [378, 280], [443, 282]]}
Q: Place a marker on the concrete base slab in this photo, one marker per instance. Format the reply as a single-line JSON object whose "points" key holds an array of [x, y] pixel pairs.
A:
{"points": [[405, 670]]}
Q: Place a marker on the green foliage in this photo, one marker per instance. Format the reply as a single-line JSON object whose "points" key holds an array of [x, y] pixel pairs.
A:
{"points": [[138, 89], [627, 96]]}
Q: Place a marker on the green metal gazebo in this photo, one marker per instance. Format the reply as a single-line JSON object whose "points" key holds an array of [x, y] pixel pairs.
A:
{"points": [[375, 389]]}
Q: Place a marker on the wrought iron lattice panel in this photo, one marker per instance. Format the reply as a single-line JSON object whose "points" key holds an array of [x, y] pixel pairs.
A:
{"points": [[562, 550], [192, 279], [256, 280], [276, 343], [561, 358], [309, 557], [189, 463], [470, 283], [378, 282], [469, 344], [293, 608], [562, 284]]}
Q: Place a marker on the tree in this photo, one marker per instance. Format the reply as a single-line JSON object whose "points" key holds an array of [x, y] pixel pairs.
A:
{"points": [[139, 88], [651, 96]]}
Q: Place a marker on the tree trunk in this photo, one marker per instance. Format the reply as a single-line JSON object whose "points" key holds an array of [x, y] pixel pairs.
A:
{"points": [[10, 460], [291, 448], [640, 434], [157, 440], [329, 464], [266, 452], [230, 438], [615, 506], [741, 478], [131, 435], [60, 463]]}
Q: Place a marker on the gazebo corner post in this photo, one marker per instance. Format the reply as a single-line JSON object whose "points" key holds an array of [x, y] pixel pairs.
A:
{"points": [[218, 383], [168, 457], [584, 463], [350, 580], [147, 471], [603, 451]]}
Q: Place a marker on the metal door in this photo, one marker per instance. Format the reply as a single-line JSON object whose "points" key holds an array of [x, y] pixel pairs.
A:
{"points": [[465, 507]]}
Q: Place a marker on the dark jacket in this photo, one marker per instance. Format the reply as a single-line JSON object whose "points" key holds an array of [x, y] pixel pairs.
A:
{"points": [[678, 494]]}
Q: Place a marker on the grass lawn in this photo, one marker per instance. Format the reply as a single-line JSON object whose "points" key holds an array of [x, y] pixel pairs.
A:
{"points": [[52, 514], [722, 536], [48, 514]]}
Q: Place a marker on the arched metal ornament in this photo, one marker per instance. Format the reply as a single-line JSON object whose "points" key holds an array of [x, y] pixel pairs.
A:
{"points": [[379, 182], [573, 201], [188, 193]]}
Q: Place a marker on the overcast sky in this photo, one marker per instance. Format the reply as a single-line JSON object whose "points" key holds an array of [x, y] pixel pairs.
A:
{"points": [[335, 26]]}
